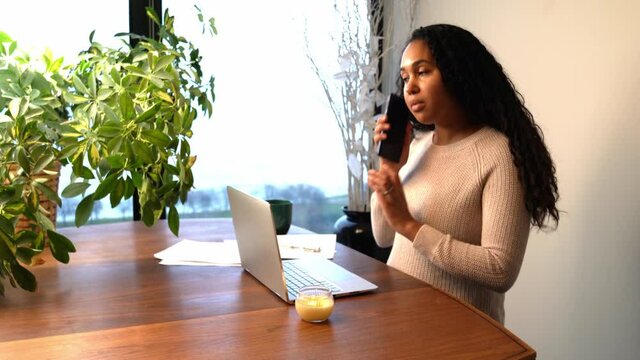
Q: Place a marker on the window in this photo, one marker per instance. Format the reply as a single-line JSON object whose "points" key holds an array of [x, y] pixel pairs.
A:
{"points": [[271, 133]]}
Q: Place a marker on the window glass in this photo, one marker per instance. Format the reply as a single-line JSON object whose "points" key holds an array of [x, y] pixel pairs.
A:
{"points": [[272, 133], [64, 27]]}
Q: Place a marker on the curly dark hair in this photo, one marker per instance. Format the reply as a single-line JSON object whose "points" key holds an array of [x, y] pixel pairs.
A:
{"points": [[476, 80]]}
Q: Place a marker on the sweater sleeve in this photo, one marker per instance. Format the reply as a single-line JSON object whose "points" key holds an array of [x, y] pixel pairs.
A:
{"points": [[496, 262], [383, 233]]}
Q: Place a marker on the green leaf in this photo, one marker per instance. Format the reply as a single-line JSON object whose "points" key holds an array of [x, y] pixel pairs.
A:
{"points": [[106, 187], [164, 61], [4, 37], [55, 66], [25, 254], [174, 220], [116, 196], [38, 242], [44, 221], [26, 237], [148, 114], [103, 166], [74, 99], [164, 75], [93, 156], [58, 249], [139, 57], [115, 75], [33, 113], [156, 137], [143, 152], [6, 194], [164, 96], [43, 162], [12, 47], [83, 211], [5, 250], [14, 107], [23, 277], [68, 151], [148, 217], [104, 94], [115, 161], [129, 152], [75, 189], [6, 225], [26, 78], [151, 13], [15, 208], [136, 70], [83, 172], [156, 81], [108, 111], [114, 145], [126, 106], [61, 240], [92, 84], [80, 86], [33, 201], [129, 187], [110, 130], [48, 192], [23, 160]]}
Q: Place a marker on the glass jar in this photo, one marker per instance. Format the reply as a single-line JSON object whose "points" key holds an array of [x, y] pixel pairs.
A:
{"points": [[314, 303]]}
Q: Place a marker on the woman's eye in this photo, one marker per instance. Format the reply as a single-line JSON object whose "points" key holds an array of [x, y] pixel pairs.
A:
{"points": [[405, 79]]}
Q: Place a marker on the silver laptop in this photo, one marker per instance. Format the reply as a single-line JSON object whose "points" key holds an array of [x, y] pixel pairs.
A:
{"points": [[260, 255]]}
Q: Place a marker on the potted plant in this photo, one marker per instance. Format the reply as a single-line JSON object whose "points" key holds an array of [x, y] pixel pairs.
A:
{"points": [[31, 113], [121, 118]]}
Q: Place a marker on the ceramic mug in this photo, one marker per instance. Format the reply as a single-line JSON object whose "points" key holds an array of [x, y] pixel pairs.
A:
{"points": [[281, 211]]}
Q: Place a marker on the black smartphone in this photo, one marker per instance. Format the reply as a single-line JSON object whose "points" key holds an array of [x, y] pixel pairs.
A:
{"points": [[397, 116]]}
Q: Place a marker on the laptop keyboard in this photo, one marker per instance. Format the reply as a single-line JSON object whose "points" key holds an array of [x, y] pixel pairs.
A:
{"points": [[297, 278]]}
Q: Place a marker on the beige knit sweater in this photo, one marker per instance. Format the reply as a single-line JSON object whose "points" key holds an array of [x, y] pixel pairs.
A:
{"points": [[468, 196]]}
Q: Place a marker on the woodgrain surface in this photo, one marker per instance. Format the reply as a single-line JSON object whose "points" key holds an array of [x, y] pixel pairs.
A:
{"points": [[113, 300]]}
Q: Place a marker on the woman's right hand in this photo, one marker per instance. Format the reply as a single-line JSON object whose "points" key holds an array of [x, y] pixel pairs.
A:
{"points": [[379, 134]]}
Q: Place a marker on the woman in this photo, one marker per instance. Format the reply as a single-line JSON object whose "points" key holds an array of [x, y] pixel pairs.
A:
{"points": [[474, 176]]}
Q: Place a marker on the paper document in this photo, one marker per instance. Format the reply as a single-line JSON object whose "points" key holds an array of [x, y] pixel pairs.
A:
{"points": [[190, 252], [225, 253]]}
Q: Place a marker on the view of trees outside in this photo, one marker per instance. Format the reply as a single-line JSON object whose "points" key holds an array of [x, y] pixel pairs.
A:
{"points": [[271, 134]]}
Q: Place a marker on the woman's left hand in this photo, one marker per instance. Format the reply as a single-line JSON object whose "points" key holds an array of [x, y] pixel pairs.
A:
{"points": [[386, 183]]}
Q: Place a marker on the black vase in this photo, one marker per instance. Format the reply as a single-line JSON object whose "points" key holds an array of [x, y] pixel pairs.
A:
{"points": [[353, 229]]}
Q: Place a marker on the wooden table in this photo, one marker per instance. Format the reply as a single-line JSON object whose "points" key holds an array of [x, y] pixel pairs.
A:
{"points": [[115, 301]]}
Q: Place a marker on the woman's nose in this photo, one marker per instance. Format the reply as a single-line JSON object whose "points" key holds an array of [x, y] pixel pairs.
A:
{"points": [[410, 87]]}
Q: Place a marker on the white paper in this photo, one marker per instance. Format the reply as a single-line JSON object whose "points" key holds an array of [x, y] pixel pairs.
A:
{"points": [[225, 253], [203, 252], [296, 246]]}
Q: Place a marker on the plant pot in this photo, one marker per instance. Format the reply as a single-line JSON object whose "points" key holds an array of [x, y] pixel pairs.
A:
{"points": [[353, 229], [51, 207]]}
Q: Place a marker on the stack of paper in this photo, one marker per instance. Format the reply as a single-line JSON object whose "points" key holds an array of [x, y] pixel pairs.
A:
{"points": [[225, 253]]}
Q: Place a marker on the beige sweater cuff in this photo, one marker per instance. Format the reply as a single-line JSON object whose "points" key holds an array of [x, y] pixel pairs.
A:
{"points": [[428, 239]]}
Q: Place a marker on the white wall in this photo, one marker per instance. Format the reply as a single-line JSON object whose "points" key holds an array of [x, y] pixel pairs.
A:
{"points": [[577, 63]]}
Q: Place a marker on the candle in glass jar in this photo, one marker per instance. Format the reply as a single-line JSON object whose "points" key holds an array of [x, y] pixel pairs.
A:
{"points": [[314, 303]]}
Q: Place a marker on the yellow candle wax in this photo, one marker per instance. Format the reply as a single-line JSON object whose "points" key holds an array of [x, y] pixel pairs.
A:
{"points": [[314, 306]]}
